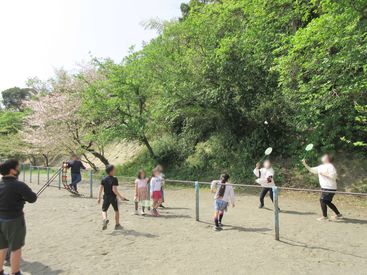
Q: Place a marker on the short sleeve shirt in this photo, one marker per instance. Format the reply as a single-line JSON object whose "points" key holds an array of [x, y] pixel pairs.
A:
{"points": [[108, 183]]}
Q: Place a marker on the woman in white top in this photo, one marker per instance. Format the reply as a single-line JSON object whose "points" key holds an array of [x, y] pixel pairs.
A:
{"points": [[141, 192], [327, 179], [265, 177], [223, 195]]}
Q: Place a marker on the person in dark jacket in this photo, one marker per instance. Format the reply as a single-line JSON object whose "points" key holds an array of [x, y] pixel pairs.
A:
{"points": [[13, 195], [75, 166]]}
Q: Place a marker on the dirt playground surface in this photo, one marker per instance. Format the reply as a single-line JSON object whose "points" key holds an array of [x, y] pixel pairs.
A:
{"points": [[65, 237]]}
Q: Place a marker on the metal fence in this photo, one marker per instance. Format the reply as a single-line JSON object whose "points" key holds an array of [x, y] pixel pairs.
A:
{"points": [[38, 170]]}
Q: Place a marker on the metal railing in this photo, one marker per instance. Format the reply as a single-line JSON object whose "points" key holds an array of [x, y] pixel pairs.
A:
{"points": [[196, 185]]}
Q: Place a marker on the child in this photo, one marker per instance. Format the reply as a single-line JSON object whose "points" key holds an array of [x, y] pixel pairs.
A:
{"points": [[161, 175], [13, 195], [223, 195], [109, 187], [155, 191], [141, 192], [265, 177], [327, 178]]}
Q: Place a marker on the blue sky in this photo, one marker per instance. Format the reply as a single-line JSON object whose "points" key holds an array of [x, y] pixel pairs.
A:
{"points": [[38, 36]]}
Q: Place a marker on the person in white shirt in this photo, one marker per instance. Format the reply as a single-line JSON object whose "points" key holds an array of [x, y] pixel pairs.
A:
{"points": [[155, 191], [265, 177], [223, 195], [327, 179]]}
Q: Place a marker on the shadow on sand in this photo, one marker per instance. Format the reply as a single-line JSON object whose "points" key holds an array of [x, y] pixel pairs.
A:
{"points": [[355, 221], [312, 247], [38, 268], [240, 228], [133, 233]]}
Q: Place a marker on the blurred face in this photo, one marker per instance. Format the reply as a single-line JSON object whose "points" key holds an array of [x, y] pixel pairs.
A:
{"points": [[325, 159], [267, 164], [74, 157], [113, 172], [142, 175], [15, 172], [156, 173]]}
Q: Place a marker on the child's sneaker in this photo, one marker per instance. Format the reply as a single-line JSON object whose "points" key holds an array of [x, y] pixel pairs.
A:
{"points": [[261, 206], [104, 224], [323, 219], [142, 213], [220, 224], [118, 227], [217, 228]]}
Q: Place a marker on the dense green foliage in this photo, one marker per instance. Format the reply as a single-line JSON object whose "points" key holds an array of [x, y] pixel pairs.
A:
{"points": [[203, 89], [231, 78]]}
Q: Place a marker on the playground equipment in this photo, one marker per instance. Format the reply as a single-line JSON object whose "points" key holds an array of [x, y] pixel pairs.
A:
{"points": [[63, 170]]}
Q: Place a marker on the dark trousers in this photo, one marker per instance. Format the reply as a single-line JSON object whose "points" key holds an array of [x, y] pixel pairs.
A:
{"points": [[263, 192], [326, 201], [75, 179]]}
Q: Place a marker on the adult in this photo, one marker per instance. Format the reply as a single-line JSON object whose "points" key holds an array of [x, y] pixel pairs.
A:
{"points": [[327, 179], [75, 166], [13, 195]]}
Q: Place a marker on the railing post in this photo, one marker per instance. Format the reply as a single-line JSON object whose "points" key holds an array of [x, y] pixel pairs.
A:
{"points": [[38, 175], [276, 213], [91, 183], [48, 173], [197, 212], [23, 169], [59, 180], [30, 173]]}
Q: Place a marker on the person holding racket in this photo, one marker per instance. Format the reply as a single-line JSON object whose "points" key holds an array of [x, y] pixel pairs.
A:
{"points": [[327, 179], [265, 177]]}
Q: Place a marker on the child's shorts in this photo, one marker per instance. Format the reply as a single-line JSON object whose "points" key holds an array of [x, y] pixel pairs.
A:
{"points": [[220, 205], [157, 195], [12, 234], [110, 200]]}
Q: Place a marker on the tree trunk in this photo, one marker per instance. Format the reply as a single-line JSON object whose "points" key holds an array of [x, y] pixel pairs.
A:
{"points": [[46, 159], [91, 164], [99, 156], [145, 141]]}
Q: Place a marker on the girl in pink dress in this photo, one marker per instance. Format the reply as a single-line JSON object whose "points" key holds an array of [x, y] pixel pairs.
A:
{"points": [[141, 192]]}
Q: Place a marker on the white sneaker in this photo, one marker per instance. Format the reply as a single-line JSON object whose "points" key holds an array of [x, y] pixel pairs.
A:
{"points": [[322, 219], [142, 213]]}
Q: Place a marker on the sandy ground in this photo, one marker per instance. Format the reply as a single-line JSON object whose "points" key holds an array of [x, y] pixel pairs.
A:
{"points": [[65, 237]]}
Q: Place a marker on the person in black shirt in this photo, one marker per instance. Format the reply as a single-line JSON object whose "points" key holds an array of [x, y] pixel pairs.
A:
{"points": [[75, 165], [109, 187], [13, 195]]}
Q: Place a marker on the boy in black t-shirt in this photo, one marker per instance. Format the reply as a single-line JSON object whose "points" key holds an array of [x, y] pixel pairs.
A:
{"points": [[109, 187]]}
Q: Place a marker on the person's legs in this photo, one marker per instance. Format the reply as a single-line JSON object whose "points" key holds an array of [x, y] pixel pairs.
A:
{"points": [[105, 206], [15, 258], [117, 217], [323, 208], [221, 214], [271, 194], [75, 179], [3, 253], [333, 207], [262, 196], [216, 220]]}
